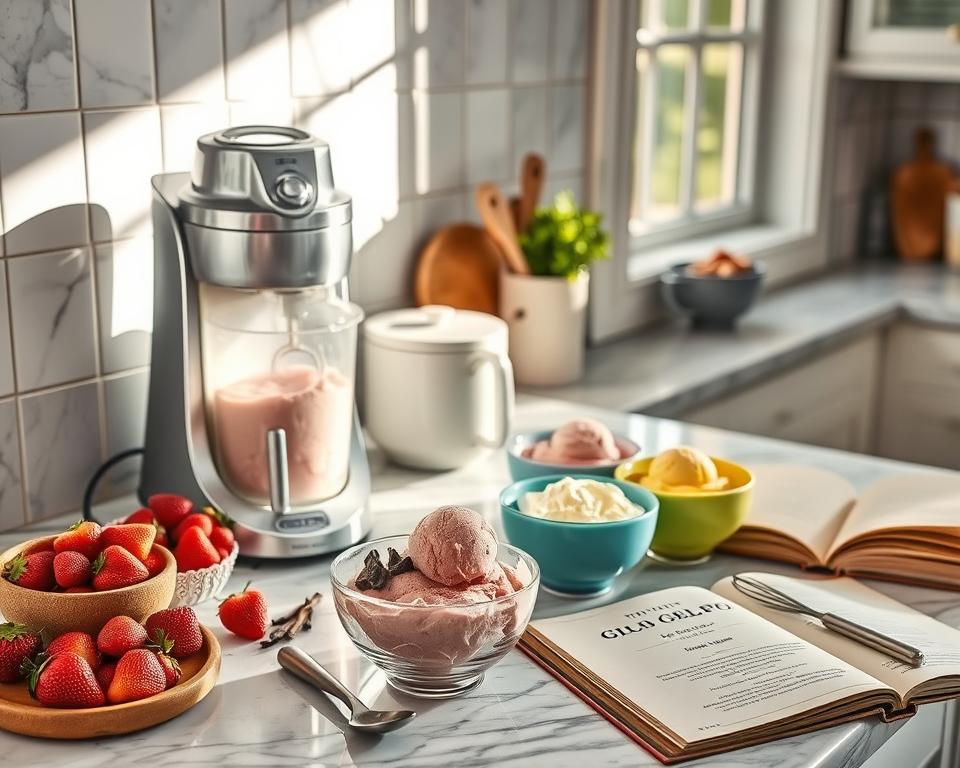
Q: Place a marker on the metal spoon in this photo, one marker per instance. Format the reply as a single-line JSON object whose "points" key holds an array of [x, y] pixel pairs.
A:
{"points": [[362, 717]]}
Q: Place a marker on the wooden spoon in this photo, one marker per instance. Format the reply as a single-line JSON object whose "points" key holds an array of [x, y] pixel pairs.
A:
{"points": [[495, 213], [532, 173]]}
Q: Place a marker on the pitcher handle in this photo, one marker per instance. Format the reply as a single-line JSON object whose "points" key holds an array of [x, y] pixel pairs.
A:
{"points": [[504, 388]]}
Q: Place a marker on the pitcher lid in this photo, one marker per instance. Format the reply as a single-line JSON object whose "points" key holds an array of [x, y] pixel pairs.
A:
{"points": [[435, 328]]}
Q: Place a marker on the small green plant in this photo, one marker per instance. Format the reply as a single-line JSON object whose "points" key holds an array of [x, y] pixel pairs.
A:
{"points": [[564, 240]]}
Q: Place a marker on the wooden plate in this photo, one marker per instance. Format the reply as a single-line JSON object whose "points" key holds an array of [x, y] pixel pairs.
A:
{"points": [[21, 714], [460, 267]]}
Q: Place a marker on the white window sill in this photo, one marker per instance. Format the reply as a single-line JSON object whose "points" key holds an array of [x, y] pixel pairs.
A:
{"points": [[768, 242]]}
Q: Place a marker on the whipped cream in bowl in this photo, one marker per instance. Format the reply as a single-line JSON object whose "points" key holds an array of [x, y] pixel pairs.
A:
{"points": [[583, 530], [437, 608]]}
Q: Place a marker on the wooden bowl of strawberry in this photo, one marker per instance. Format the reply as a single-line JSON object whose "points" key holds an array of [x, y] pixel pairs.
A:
{"points": [[128, 676], [84, 576], [202, 542]]}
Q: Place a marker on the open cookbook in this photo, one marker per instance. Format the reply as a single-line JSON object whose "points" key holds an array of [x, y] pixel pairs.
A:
{"points": [[689, 672], [902, 528]]}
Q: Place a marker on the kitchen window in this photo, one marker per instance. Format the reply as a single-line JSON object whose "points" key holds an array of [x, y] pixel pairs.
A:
{"points": [[694, 91], [708, 129]]}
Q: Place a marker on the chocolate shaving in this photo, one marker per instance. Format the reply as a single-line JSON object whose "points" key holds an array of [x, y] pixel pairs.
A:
{"points": [[374, 575], [287, 627], [396, 564]]}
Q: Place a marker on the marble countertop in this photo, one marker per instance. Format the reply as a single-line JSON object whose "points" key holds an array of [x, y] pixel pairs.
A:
{"points": [[666, 369], [519, 716]]}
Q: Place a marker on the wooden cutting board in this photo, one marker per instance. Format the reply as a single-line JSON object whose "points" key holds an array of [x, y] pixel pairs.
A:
{"points": [[918, 194], [21, 714], [460, 267]]}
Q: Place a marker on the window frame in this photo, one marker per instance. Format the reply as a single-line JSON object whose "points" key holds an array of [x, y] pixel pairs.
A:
{"points": [[741, 210], [786, 227]]}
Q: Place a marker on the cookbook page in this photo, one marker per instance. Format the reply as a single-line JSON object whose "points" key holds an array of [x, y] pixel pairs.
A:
{"points": [[850, 599], [805, 503], [701, 664]]}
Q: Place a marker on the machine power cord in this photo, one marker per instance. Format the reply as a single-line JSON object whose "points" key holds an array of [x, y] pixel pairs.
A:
{"points": [[98, 476]]}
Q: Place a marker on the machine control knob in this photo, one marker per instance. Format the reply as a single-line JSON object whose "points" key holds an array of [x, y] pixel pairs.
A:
{"points": [[293, 190]]}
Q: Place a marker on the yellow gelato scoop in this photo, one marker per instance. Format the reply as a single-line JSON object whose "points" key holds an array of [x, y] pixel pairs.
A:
{"points": [[683, 469]]}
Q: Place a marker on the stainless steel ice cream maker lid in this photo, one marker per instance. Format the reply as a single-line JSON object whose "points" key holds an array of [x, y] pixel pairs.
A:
{"points": [[261, 178]]}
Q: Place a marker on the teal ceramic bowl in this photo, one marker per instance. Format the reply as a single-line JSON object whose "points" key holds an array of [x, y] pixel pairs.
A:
{"points": [[522, 468], [579, 559]]}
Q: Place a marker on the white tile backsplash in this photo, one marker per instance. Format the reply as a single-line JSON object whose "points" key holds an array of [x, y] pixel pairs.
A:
{"points": [[529, 41], [486, 43], [62, 437], [123, 152], [36, 56], [43, 186], [125, 303], [115, 52], [7, 382], [258, 57], [320, 46], [418, 99], [51, 303], [11, 486], [488, 132], [189, 50]]}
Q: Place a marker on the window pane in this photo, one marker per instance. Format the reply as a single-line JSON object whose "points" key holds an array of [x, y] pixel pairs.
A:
{"points": [[916, 13], [717, 13], [718, 124], [669, 121], [674, 14]]}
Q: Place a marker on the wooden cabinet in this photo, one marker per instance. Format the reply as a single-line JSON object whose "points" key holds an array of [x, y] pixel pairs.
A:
{"points": [[903, 39], [920, 404], [829, 401]]}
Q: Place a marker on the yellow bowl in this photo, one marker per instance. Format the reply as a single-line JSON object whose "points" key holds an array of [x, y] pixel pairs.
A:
{"points": [[54, 613], [693, 523]]}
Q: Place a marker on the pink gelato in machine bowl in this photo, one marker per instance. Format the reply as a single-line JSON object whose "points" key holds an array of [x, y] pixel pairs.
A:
{"points": [[282, 363]]}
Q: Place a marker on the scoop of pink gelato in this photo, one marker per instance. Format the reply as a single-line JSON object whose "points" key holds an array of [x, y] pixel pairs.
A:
{"points": [[452, 545], [584, 441]]}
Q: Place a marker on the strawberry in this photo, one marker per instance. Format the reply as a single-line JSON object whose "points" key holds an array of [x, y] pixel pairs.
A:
{"points": [[31, 571], [220, 520], [77, 590], [105, 673], [194, 551], [245, 613], [222, 538], [65, 680], [162, 538], [179, 625], [71, 569], [224, 554], [171, 668], [155, 561], [79, 643], [115, 568], [169, 508], [198, 519], [136, 538], [142, 515], [82, 537], [121, 634], [139, 674], [17, 644]]}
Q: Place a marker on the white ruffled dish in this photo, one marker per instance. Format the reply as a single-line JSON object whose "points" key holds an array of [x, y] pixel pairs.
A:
{"points": [[194, 587]]}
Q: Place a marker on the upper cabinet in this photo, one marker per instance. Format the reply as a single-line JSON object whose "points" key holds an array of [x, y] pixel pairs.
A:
{"points": [[903, 39]]}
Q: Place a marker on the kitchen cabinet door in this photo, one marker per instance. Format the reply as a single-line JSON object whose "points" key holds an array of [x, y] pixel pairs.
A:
{"points": [[920, 412], [904, 39], [828, 401]]}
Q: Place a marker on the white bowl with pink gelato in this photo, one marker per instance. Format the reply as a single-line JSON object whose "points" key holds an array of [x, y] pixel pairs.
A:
{"points": [[585, 446], [437, 608]]}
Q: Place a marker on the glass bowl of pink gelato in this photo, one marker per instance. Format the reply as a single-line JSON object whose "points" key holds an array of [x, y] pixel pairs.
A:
{"points": [[585, 446], [433, 639]]}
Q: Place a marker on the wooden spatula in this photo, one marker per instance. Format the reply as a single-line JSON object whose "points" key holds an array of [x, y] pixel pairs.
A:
{"points": [[532, 172], [495, 213]]}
